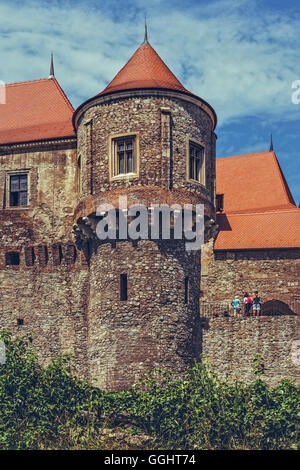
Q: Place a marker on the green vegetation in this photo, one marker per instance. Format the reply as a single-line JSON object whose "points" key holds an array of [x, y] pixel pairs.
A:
{"points": [[49, 408]]}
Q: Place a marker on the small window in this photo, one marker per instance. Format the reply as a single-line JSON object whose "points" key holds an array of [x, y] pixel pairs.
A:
{"points": [[219, 202], [79, 174], [186, 290], [124, 156], [57, 254], [20, 322], [29, 256], [12, 258], [123, 287], [18, 190], [196, 163], [43, 255]]}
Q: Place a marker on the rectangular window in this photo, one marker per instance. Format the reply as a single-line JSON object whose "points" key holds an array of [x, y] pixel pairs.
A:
{"points": [[18, 190], [29, 256], [124, 156], [12, 258], [196, 163], [123, 287], [219, 202]]}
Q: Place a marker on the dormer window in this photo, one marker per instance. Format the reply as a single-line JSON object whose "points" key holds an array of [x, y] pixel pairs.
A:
{"points": [[219, 202], [124, 156]]}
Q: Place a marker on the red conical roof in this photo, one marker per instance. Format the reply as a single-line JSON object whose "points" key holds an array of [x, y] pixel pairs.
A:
{"points": [[145, 69]]}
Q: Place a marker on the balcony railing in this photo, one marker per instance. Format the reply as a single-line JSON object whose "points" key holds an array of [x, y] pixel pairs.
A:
{"points": [[214, 309], [219, 309]]}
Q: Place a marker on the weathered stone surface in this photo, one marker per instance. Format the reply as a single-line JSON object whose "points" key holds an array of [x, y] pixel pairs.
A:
{"points": [[231, 344], [274, 273], [68, 294]]}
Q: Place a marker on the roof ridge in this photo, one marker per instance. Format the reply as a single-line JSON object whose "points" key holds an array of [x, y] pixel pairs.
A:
{"points": [[285, 186], [26, 82], [245, 155], [268, 210], [62, 93]]}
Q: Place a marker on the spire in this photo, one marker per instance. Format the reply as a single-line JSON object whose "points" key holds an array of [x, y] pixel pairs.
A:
{"points": [[271, 145], [146, 33], [51, 67]]}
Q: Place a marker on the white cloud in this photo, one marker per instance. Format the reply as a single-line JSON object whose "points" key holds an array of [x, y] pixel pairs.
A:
{"points": [[235, 54], [241, 62]]}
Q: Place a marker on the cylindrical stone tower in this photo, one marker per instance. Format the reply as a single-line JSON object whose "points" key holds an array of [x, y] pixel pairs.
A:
{"points": [[146, 138]]}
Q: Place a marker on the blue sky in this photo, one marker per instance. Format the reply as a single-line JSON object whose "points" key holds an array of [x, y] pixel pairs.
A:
{"points": [[241, 56]]}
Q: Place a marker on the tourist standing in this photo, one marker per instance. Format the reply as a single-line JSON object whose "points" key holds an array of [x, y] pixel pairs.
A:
{"points": [[246, 311], [256, 304], [236, 306]]}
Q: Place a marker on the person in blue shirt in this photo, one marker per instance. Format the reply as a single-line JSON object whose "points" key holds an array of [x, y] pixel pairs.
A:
{"points": [[236, 306]]}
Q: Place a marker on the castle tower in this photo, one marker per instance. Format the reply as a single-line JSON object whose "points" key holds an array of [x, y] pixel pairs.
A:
{"points": [[145, 137]]}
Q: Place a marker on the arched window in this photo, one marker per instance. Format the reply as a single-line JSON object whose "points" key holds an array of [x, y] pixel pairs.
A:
{"points": [[276, 308]]}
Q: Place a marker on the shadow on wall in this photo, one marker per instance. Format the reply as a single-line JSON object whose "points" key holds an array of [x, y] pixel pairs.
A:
{"points": [[276, 308]]}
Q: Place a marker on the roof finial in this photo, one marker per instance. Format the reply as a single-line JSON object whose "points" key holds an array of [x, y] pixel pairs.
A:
{"points": [[271, 145], [51, 67], [146, 33]]}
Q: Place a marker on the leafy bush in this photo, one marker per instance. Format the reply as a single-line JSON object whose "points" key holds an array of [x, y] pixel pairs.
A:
{"points": [[39, 404], [50, 407]]}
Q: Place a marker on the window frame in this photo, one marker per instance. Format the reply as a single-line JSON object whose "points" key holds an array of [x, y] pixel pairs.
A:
{"points": [[113, 157], [9, 175], [197, 145]]}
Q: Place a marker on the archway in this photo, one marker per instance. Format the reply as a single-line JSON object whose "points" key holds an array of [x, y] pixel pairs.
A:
{"points": [[276, 308]]}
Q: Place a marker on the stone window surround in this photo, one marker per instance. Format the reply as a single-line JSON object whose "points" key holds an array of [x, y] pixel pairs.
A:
{"points": [[8, 174], [111, 154], [198, 143]]}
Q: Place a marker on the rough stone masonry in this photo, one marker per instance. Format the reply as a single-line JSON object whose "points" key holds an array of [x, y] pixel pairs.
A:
{"points": [[124, 307]]}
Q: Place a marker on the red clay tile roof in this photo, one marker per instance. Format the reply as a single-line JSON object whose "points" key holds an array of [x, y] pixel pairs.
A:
{"points": [[145, 69], [251, 182], [259, 210], [276, 229], [35, 110]]}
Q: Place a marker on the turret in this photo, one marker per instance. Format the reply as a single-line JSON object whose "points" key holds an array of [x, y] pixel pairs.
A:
{"points": [[146, 139]]}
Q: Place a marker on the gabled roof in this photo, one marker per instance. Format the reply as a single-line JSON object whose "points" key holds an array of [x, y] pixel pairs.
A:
{"points": [[145, 69], [259, 210], [252, 182], [35, 110]]}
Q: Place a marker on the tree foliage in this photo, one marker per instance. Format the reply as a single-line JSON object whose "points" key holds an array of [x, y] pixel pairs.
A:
{"points": [[50, 407]]}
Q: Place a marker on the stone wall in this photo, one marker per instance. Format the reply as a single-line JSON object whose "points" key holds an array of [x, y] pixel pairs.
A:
{"points": [[157, 325], [51, 303], [163, 127], [274, 273], [46, 294], [52, 193], [230, 345]]}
